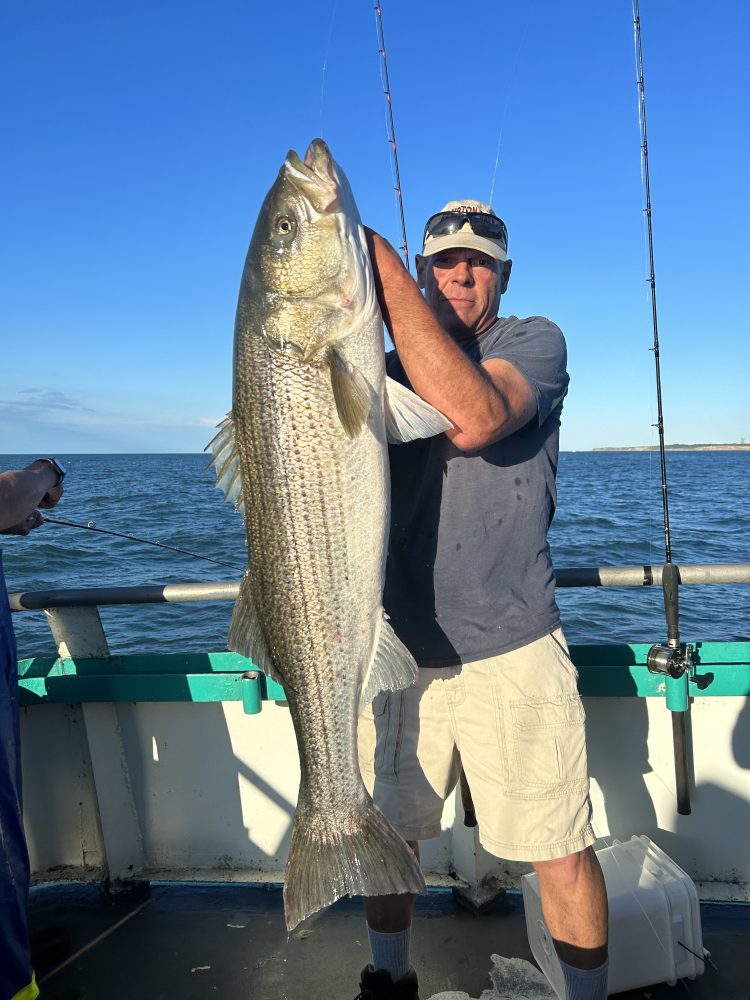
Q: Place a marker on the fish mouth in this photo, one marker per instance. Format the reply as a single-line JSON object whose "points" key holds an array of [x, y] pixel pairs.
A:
{"points": [[332, 300], [316, 178], [318, 157]]}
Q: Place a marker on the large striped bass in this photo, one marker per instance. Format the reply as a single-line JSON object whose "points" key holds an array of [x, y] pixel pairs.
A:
{"points": [[304, 454]]}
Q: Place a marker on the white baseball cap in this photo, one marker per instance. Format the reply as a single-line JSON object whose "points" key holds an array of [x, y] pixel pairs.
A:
{"points": [[454, 226]]}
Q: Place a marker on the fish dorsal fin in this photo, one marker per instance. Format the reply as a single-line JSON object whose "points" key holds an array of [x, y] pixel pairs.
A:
{"points": [[245, 634], [408, 416], [350, 392], [392, 667], [226, 462]]}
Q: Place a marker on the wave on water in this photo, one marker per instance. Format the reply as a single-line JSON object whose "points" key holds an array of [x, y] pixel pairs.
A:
{"points": [[609, 514]]}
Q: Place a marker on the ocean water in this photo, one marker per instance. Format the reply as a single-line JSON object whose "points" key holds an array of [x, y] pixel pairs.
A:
{"points": [[609, 514]]}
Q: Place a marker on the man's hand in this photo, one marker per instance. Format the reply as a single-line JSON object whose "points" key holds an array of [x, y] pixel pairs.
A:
{"points": [[23, 492], [31, 521], [51, 498]]}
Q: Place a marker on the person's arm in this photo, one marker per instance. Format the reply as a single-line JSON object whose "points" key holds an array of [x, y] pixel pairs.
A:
{"points": [[485, 402], [22, 491]]}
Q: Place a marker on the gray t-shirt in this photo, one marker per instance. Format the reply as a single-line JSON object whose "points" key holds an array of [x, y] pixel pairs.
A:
{"points": [[469, 572]]}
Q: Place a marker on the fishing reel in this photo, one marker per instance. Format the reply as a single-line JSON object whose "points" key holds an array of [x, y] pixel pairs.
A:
{"points": [[672, 660]]}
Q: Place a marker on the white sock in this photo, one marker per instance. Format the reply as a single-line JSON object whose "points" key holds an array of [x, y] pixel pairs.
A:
{"points": [[391, 952]]}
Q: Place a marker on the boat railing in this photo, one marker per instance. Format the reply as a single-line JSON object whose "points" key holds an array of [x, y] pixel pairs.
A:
{"points": [[85, 669], [584, 576], [100, 685]]}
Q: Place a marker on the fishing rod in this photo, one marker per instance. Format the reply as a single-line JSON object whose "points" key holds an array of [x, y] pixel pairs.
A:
{"points": [[392, 131], [468, 804], [90, 526], [673, 659], [652, 280]]}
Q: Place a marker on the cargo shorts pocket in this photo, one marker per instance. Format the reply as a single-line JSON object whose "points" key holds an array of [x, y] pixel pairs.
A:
{"points": [[549, 746], [387, 714]]}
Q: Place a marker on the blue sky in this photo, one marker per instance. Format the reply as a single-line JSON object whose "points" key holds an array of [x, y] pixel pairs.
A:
{"points": [[140, 139]]}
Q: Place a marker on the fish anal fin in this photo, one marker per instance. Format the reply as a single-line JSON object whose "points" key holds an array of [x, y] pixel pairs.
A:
{"points": [[408, 416], [246, 635], [392, 667], [351, 394]]}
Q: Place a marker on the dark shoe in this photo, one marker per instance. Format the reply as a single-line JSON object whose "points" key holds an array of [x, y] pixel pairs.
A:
{"points": [[379, 986]]}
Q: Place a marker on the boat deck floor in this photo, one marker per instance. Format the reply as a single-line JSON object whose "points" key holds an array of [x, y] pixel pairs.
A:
{"points": [[191, 941]]}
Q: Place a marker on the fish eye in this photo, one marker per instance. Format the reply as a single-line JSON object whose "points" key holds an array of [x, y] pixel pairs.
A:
{"points": [[285, 226]]}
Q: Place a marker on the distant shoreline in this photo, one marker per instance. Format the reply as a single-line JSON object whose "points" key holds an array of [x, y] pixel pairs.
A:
{"points": [[681, 447]]}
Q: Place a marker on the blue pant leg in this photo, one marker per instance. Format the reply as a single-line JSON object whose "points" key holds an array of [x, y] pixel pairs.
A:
{"points": [[16, 975]]}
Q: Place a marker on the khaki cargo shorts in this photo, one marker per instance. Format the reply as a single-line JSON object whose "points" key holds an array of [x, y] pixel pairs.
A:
{"points": [[516, 724]]}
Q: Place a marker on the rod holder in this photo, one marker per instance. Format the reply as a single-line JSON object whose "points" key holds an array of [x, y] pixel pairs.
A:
{"points": [[675, 661], [252, 702]]}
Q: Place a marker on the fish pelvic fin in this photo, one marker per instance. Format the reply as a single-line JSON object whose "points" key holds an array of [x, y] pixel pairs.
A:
{"points": [[392, 667], [246, 635], [226, 461], [325, 864], [408, 416], [351, 393]]}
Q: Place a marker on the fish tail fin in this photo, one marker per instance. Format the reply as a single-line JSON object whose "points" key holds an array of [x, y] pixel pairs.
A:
{"points": [[326, 864]]}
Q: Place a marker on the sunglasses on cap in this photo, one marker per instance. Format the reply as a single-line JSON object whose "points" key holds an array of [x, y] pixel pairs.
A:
{"points": [[482, 224]]}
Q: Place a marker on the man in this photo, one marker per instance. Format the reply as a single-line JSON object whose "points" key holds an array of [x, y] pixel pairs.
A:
{"points": [[22, 491], [470, 590]]}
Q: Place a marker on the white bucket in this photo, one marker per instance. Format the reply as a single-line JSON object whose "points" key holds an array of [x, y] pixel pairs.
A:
{"points": [[654, 920]]}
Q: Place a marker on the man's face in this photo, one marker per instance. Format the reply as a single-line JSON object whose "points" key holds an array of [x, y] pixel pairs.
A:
{"points": [[464, 287]]}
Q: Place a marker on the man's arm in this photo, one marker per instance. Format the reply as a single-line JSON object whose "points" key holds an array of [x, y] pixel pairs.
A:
{"points": [[22, 491], [485, 402]]}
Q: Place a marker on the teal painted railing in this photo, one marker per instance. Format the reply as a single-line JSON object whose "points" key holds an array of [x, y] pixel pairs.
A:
{"points": [[721, 669], [90, 674]]}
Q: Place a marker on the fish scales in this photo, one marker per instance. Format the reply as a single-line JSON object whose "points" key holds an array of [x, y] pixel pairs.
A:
{"points": [[303, 454], [309, 531], [308, 541]]}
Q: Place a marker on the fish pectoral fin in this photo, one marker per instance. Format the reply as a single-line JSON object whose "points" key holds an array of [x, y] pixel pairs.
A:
{"points": [[351, 394], [408, 416], [226, 461], [392, 667], [245, 634]]}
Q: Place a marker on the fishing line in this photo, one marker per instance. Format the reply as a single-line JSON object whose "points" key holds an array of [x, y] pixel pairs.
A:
{"points": [[95, 941], [90, 526], [325, 63], [508, 95], [391, 130]]}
